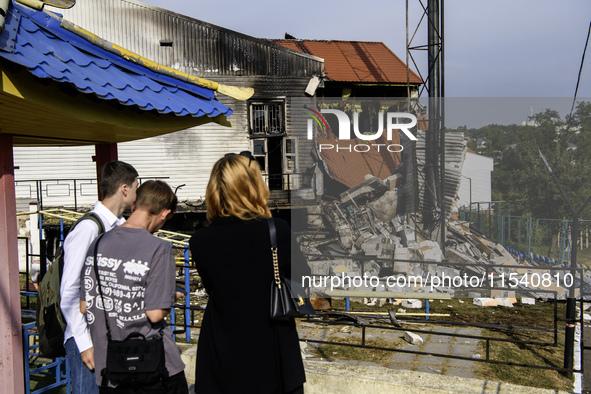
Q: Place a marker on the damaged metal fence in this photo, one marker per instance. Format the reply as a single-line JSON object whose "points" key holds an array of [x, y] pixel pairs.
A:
{"points": [[547, 241], [495, 280]]}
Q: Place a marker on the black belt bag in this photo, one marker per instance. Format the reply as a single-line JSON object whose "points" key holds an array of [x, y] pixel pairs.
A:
{"points": [[135, 361]]}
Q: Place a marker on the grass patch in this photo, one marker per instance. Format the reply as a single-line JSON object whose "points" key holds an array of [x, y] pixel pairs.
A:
{"points": [[552, 356], [343, 352], [464, 310], [540, 315]]}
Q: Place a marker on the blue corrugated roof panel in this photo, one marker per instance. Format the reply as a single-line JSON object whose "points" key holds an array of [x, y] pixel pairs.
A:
{"points": [[35, 40]]}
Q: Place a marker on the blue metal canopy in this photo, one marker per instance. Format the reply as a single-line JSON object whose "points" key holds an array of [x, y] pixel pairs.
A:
{"points": [[35, 40]]}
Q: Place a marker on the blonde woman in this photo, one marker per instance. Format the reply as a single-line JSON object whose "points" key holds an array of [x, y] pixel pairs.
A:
{"points": [[241, 350]]}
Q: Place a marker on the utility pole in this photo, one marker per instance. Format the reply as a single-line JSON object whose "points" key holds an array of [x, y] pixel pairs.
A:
{"points": [[569, 332], [433, 209]]}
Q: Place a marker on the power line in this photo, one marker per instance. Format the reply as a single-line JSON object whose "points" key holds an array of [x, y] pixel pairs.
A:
{"points": [[580, 70]]}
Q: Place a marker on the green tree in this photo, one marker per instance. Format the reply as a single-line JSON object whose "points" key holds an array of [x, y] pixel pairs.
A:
{"points": [[520, 176]]}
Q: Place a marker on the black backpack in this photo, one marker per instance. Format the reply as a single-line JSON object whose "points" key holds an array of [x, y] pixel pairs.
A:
{"points": [[51, 324]]}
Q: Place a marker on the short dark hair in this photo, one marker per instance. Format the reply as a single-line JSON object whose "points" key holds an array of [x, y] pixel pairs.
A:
{"points": [[114, 174], [156, 196]]}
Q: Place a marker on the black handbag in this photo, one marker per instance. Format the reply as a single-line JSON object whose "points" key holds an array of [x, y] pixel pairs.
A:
{"points": [[288, 299], [134, 361]]}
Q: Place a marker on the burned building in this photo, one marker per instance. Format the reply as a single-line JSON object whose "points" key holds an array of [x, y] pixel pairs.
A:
{"points": [[262, 123]]}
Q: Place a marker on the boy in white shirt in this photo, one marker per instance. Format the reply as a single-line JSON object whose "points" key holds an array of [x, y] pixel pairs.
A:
{"points": [[118, 184]]}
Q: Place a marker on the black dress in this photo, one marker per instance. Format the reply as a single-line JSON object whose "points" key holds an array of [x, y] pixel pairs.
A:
{"points": [[240, 349]]}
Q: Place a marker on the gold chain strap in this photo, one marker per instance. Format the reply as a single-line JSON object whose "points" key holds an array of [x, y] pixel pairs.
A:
{"points": [[276, 267]]}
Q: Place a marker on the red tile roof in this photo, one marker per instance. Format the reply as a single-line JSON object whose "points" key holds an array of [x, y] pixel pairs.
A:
{"points": [[350, 168], [355, 61]]}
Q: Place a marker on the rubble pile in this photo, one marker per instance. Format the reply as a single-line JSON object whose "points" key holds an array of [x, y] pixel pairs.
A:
{"points": [[361, 235]]}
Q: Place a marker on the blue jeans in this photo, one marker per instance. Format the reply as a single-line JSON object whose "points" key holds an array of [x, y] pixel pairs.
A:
{"points": [[82, 379]]}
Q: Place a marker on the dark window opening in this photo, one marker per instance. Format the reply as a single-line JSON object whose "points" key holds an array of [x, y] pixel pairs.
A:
{"points": [[267, 118]]}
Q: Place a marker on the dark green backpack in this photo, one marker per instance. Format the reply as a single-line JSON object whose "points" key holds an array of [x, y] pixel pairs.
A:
{"points": [[51, 324]]}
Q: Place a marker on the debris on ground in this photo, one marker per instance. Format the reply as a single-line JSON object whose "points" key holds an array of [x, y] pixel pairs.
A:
{"points": [[361, 234]]}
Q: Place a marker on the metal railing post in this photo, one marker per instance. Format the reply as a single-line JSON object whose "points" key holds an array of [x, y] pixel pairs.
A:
{"points": [[188, 321], [509, 224], [529, 234]]}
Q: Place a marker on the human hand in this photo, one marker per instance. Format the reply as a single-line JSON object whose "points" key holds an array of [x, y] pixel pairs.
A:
{"points": [[179, 292], [88, 358]]}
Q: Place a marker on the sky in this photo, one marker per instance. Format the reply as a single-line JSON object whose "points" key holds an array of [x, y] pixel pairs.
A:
{"points": [[500, 48]]}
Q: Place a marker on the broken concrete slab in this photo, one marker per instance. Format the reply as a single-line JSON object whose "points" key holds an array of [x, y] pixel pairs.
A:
{"points": [[345, 235], [413, 338], [372, 186], [326, 267], [412, 304], [485, 302], [480, 244], [363, 236], [394, 180], [503, 294], [506, 302], [340, 269], [503, 260], [429, 251], [371, 268], [502, 251], [408, 236], [447, 272], [453, 256], [401, 254], [315, 216], [379, 246], [385, 207], [398, 223]]}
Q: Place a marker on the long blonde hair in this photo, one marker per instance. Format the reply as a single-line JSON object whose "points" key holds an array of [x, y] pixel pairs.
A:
{"points": [[236, 188]]}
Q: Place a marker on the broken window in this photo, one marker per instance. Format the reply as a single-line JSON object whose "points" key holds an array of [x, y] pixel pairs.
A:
{"points": [[268, 153], [259, 151], [277, 157], [267, 118], [275, 154]]}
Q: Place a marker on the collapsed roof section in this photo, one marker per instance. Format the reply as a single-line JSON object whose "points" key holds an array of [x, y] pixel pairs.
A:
{"points": [[351, 163]]}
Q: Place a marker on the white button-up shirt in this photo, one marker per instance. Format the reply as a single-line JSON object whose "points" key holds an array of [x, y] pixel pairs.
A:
{"points": [[76, 247]]}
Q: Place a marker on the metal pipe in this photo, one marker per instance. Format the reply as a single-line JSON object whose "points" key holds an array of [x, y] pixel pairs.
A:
{"points": [[435, 199], [555, 321], [442, 130], [363, 335]]}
